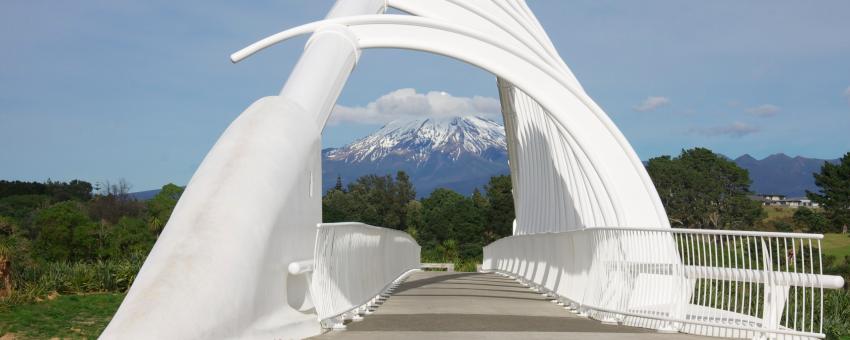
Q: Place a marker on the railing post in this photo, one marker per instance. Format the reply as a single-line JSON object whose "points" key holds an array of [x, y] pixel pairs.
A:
{"points": [[338, 323], [705, 282], [359, 266]]}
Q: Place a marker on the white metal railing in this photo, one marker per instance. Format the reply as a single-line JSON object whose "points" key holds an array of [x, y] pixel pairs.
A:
{"points": [[708, 282], [353, 264]]}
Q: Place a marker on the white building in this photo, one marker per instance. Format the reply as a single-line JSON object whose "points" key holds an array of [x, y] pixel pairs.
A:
{"points": [[776, 200]]}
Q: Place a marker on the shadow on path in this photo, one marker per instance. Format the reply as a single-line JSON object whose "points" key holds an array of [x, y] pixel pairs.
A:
{"points": [[481, 323], [440, 305]]}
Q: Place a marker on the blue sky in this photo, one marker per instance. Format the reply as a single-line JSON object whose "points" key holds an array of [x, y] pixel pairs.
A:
{"points": [[101, 90]]}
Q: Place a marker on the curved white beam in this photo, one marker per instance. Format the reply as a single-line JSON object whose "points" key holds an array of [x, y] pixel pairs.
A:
{"points": [[481, 16], [219, 269], [518, 20], [458, 42], [395, 31], [497, 58], [251, 207]]}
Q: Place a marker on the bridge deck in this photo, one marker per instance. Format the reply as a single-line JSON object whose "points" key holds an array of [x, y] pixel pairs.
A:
{"points": [[440, 305]]}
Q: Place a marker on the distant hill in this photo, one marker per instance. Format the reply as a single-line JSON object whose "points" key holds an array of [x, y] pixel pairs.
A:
{"points": [[144, 195], [782, 174]]}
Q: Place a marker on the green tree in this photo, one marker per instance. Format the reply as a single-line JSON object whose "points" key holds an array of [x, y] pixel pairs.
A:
{"points": [[449, 215], [413, 214], [479, 201], [14, 245], [17, 188], [439, 220], [338, 186], [701, 189], [22, 208], [810, 220], [376, 200], [369, 200], [102, 241], [448, 250], [113, 202], [129, 236], [58, 191], [89, 241], [500, 210], [405, 191], [55, 227], [160, 207], [337, 206], [783, 226], [403, 194], [76, 190], [834, 183]]}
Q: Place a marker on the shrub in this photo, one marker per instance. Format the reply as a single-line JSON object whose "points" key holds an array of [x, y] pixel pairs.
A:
{"points": [[836, 308], [466, 266], [37, 281]]}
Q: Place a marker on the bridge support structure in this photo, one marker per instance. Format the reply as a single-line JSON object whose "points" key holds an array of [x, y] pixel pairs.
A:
{"points": [[221, 267]]}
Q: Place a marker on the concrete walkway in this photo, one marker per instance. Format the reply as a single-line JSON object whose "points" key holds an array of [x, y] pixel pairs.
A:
{"points": [[440, 305]]}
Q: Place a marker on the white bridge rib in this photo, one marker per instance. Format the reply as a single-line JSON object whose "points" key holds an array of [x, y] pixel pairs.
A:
{"points": [[246, 219]]}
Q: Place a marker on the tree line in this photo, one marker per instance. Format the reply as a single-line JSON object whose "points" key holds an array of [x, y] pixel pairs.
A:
{"points": [[698, 188], [701, 189], [449, 226], [45, 227], [50, 225]]}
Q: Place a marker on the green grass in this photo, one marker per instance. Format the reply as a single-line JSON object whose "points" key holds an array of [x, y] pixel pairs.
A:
{"points": [[837, 245], [67, 316], [778, 213]]}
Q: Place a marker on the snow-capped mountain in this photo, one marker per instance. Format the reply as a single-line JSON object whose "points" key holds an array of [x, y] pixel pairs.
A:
{"points": [[416, 140], [459, 153]]}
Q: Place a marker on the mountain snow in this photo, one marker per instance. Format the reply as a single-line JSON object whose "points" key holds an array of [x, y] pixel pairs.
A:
{"points": [[417, 140]]}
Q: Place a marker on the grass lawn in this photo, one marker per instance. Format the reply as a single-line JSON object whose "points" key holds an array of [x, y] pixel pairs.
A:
{"points": [[837, 245], [777, 213], [71, 316]]}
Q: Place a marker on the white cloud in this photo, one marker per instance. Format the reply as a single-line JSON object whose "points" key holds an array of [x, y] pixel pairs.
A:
{"points": [[405, 103], [736, 130], [847, 93], [766, 110], [652, 103]]}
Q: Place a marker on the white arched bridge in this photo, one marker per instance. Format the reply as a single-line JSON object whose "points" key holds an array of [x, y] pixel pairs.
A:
{"points": [[246, 255]]}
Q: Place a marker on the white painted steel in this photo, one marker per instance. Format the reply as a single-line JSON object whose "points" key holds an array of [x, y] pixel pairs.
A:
{"points": [[355, 262], [552, 177], [719, 283], [301, 267], [219, 269], [235, 261], [575, 122]]}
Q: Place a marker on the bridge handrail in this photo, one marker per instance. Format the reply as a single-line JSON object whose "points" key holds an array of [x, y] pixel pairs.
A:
{"points": [[354, 263], [690, 231], [710, 282], [720, 232]]}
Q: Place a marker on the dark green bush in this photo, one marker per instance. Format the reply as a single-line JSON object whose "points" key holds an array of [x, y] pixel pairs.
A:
{"points": [[836, 309], [37, 281]]}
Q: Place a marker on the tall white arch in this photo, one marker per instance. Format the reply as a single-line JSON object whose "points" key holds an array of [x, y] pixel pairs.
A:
{"points": [[576, 158], [219, 268]]}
